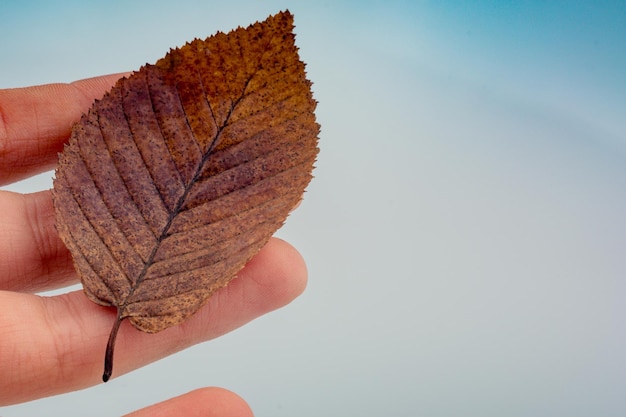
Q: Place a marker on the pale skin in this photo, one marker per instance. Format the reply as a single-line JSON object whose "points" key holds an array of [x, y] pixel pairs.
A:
{"points": [[52, 345]]}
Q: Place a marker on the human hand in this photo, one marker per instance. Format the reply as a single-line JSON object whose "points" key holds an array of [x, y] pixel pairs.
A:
{"points": [[52, 345]]}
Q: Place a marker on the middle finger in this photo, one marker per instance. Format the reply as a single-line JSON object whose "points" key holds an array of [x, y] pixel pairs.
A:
{"points": [[32, 256]]}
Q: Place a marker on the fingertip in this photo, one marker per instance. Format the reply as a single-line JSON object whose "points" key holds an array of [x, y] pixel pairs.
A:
{"points": [[203, 402], [220, 402], [279, 273]]}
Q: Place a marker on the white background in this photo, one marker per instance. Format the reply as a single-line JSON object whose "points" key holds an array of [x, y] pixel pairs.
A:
{"points": [[465, 231]]}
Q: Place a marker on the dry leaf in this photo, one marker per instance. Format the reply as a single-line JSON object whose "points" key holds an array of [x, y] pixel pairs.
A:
{"points": [[184, 170]]}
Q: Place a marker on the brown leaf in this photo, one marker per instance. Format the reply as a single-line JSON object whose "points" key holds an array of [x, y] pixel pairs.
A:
{"points": [[184, 170]]}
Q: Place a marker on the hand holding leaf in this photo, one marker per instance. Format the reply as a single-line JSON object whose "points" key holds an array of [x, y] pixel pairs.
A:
{"points": [[183, 171]]}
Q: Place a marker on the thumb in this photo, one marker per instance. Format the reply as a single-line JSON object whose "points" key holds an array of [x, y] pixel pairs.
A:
{"points": [[204, 402]]}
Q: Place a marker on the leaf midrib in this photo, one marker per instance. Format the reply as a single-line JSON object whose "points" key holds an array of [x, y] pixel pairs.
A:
{"points": [[183, 198]]}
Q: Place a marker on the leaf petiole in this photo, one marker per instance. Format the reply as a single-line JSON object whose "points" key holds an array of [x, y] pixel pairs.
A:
{"points": [[108, 356]]}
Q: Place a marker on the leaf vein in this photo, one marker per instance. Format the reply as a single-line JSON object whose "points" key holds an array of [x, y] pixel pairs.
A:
{"points": [[160, 125], [120, 176], [93, 227], [95, 232], [141, 156]]}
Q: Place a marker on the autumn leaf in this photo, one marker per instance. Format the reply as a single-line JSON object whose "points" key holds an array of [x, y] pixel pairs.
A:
{"points": [[182, 172]]}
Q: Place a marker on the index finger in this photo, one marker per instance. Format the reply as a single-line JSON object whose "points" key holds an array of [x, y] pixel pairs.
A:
{"points": [[36, 121]]}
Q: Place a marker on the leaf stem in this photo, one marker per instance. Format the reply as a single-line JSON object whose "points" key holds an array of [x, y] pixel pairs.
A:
{"points": [[108, 356]]}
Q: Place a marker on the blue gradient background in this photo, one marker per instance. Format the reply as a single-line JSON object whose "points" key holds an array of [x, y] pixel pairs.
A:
{"points": [[465, 231]]}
